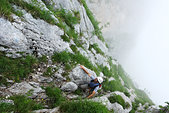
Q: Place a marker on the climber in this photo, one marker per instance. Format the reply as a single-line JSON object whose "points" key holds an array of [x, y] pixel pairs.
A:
{"points": [[94, 84]]}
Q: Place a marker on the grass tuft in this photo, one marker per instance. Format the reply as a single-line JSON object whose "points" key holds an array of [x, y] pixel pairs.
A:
{"points": [[96, 47], [83, 106], [55, 96], [117, 98], [22, 104]]}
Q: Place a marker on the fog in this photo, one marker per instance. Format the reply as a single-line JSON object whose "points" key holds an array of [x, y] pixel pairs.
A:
{"points": [[139, 39]]}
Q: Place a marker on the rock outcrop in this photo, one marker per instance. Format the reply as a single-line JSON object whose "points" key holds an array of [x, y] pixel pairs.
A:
{"points": [[39, 37]]}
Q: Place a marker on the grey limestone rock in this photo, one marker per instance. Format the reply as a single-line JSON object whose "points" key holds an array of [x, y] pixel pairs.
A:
{"points": [[54, 110], [78, 75], [24, 87], [7, 101], [42, 79], [69, 86]]}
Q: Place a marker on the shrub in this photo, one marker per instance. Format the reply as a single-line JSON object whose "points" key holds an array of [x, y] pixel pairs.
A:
{"points": [[3, 81], [79, 91], [34, 10], [83, 107], [48, 72], [6, 107], [74, 48], [65, 38], [117, 98], [43, 59], [54, 95], [65, 57], [68, 67], [5, 9], [105, 70], [114, 85], [61, 57], [96, 47], [19, 67], [109, 73], [24, 105], [68, 17], [127, 94], [135, 105]]}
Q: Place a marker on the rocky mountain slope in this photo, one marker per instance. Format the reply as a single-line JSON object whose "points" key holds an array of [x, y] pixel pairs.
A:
{"points": [[42, 45]]}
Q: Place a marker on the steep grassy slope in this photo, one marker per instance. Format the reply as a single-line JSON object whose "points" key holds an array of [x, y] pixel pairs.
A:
{"points": [[21, 68]]}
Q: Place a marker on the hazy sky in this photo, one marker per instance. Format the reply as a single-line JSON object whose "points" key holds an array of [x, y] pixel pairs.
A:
{"points": [[139, 38], [148, 61]]}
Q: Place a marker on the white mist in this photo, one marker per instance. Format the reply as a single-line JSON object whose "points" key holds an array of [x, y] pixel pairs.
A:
{"points": [[139, 38]]}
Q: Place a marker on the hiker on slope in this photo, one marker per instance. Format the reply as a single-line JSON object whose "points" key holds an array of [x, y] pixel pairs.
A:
{"points": [[94, 84]]}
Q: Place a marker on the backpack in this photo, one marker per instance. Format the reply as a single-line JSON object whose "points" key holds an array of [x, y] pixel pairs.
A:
{"points": [[100, 85]]}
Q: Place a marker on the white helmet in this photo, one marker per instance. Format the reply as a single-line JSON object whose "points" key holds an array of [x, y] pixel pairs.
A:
{"points": [[100, 79]]}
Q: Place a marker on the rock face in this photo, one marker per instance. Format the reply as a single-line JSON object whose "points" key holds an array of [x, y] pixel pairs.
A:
{"points": [[69, 86], [54, 110], [115, 106], [78, 75], [33, 36], [24, 87], [37, 37]]}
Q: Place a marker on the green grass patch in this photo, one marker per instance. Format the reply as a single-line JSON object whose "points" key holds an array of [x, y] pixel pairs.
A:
{"points": [[83, 106], [117, 98], [34, 10], [73, 59], [55, 96], [18, 68], [114, 85], [6, 107], [92, 19], [68, 67], [21, 105], [96, 47], [79, 91], [63, 57], [74, 48], [68, 17], [49, 71], [135, 105], [3, 81], [109, 73], [65, 38], [5, 9], [43, 59]]}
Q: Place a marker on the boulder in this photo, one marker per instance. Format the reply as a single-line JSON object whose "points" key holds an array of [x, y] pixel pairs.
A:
{"points": [[72, 96], [24, 87], [111, 78], [42, 79], [78, 75], [54, 110], [104, 100], [69, 86], [7, 101]]}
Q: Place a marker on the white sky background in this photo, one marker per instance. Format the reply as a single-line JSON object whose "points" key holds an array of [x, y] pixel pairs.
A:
{"points": [[148, 61], [139, 37]]}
